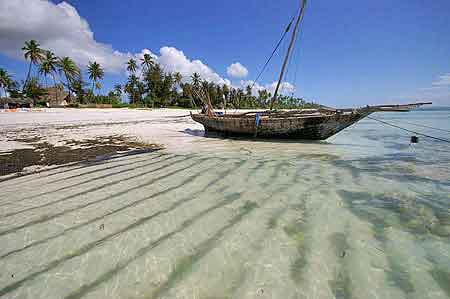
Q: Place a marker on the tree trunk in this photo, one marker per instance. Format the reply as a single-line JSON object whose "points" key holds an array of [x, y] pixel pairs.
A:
{"points": [[56, 88], [28, 77], [68, 89]]}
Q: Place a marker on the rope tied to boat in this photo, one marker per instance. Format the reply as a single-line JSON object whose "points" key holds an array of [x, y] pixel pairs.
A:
{"points": [[410, 131]]}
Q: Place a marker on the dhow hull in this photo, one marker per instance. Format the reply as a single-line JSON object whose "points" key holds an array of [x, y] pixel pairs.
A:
{"points": [[316, 127]]}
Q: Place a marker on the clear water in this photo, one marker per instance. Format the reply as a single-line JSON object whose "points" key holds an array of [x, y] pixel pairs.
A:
{"points": [[363, 215]]}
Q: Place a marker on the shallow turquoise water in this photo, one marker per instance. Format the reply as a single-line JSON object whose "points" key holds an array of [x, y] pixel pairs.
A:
{"points": [[363, 215]]}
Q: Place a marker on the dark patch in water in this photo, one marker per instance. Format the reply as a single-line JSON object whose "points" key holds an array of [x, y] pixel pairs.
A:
{"points": [[442, 277], [248, 206], [279, 169], [233, 196], [397, 146], [398, 276], [320, 157], [340, 244], [296, 232], [341, 286], [382, 212], [272, 223], [386, 167], [407, 213]]}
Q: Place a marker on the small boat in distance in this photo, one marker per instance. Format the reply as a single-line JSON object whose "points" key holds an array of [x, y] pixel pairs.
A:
{"points": [[305, 124]]}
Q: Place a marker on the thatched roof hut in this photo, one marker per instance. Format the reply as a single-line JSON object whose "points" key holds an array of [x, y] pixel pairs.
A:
{"points": [[16, 102], [56, 96]]}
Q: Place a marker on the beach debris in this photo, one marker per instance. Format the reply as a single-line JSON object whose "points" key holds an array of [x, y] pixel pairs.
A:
{"points": [[102, 226], [414, 139]]}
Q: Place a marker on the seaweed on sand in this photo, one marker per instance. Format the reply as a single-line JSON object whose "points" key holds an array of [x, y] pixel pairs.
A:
{"points": [[341, 285], [296, 232], [442, 277], [46, 154], [414, 214]]}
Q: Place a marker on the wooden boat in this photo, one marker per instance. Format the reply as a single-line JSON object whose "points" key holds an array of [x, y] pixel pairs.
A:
{"points": [[307, 124]]}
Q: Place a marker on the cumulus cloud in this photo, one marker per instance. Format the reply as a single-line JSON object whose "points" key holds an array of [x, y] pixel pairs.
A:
{"points": [[174, 60], [237, 70], [286, 88], [60, 28], [57, 27]]}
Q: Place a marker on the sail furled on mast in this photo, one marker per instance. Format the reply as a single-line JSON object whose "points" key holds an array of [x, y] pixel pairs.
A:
{"points": [[289, 51]]}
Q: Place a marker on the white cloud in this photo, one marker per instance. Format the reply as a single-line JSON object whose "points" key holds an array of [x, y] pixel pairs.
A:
{"points": [[286, 88], [237, 70], [174, 60], [57, 27], [60, 28]]}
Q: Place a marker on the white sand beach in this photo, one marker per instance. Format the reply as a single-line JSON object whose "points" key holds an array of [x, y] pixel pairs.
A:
{"points": [[362, 215]]}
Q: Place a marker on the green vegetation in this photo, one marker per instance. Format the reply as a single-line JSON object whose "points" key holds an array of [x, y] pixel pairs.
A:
{"points": [[147, 85], [96, 73], [5, 81]]}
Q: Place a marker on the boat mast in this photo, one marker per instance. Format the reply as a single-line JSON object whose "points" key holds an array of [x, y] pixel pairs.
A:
{"points": [[286, 59]]}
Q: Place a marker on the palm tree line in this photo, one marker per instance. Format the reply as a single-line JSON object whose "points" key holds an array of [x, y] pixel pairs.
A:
{"points": [[146, 85]]}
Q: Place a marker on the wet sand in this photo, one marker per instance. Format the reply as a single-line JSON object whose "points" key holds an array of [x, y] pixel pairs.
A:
{"points": [[363, 215]]}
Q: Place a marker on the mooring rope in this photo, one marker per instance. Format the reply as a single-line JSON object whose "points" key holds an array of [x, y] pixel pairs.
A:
{"points": [[424, 126], [410, 131]]}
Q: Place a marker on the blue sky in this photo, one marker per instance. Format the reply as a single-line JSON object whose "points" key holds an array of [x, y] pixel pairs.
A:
{"points": [[350, 53]]}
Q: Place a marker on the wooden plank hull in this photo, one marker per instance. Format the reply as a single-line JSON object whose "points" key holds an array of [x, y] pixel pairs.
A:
{"points": [[308, 127]]}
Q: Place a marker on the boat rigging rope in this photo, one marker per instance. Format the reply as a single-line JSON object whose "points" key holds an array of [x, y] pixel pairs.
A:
{"points": [[274, 51], [414, 132], [424, 126]]}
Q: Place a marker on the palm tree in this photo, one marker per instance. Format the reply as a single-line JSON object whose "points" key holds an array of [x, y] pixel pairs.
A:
{"points": [[69, 69], [131, 66], [146, 62], [195, 79], [178, 78], [132, 88], [248, 90], [96, 73], [118, 90], [48, 66], [34, 90], [33, 53], [5, 80], [78, 87]]}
